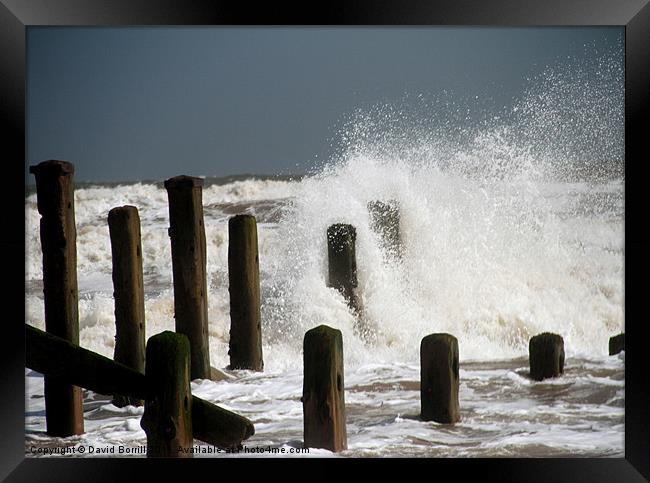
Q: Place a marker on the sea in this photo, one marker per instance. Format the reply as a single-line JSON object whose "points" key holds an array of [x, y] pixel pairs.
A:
{"points": [[511, 222]]}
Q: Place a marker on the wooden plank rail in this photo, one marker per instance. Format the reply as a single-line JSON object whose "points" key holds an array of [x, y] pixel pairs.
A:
{"points": [[54, 356]]}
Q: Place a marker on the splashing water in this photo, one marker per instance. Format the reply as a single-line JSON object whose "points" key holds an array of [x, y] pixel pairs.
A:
{"points": [[511, 224]]}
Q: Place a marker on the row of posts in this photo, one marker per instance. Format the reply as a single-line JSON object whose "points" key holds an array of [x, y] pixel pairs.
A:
{"points": [[323, 387], [55, 202], [323, 393]]}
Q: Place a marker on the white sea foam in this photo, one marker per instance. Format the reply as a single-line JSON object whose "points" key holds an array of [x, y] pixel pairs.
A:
{"points": [[510, 227], [493, 262]]}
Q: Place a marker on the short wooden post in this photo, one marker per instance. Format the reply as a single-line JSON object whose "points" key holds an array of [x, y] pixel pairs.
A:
{"points": [[439, 379], [616, 344], [187, 235], [128, 287], [55, 198], [323, 394], [546, 356], [385, 222], [167, 417], [244, 287], [341, 240]]}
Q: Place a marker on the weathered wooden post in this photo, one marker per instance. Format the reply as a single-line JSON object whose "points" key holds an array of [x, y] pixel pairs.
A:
{"points": [[323, 394], [244, 287], [439, 379], [53, 356], [616, 344], [167, 417], [546, 356], [341, 240], [128, 287], [187, 235], [55, 199], [385, 222]]}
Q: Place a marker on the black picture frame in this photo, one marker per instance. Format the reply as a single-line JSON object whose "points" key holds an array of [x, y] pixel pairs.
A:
{"points": [[634, 15]]}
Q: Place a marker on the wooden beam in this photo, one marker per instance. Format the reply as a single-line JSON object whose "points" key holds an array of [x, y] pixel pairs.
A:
{"points": [[54, 356]]}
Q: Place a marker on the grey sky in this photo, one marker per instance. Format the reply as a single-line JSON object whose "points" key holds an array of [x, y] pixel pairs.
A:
{"points": [[150, 103]]}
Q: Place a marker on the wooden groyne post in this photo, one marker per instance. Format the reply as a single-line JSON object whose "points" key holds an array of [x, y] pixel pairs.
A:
{"points": [[167, 418], [439, 379], [342, 263], [128, 291], [55, 200], [187, 234], [323, 394], [53, 356], [616, 344], [244, 287], [385, 222], [546, 356]]}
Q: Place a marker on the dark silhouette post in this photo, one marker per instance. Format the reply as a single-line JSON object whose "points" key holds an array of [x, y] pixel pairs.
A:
{"points": [[341, 240], [244, 287], [616, 344], [546, 356], [439, 378]]}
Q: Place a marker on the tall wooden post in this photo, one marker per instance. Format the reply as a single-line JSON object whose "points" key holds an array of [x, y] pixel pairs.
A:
{"points": [[385, 222], [323, 394], [244, 287], [167, 417], [546, 356], [128, 286], [55, 199], [439, 378], [341, 240], [187, 235]]}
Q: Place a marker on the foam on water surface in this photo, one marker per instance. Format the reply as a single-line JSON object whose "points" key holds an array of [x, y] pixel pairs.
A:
{"points": [[498, 418]]}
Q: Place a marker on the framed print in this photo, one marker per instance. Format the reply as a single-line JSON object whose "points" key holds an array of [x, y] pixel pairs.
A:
{"points": [[408, 234]]}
